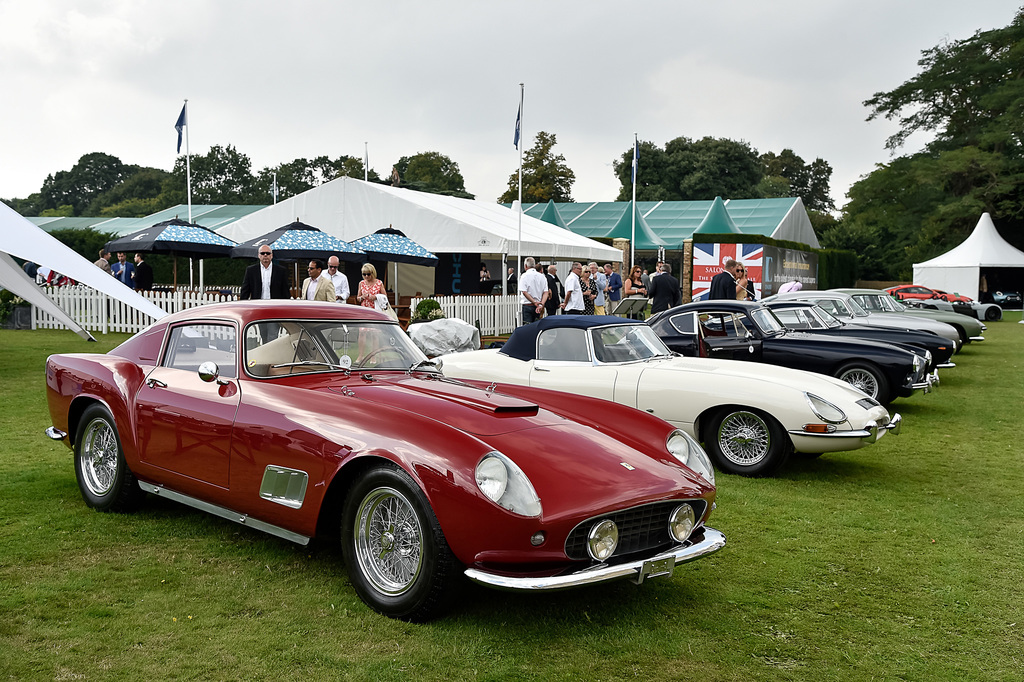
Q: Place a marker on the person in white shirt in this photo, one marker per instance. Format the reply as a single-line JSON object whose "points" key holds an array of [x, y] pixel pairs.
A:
{"points": [[533, 291], [339, 279], [573, 303], [597, 275]]}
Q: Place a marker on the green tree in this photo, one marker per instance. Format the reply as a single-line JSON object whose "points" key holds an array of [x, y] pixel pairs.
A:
{"points": [[431, 172], [300, 175], [221, 176], [139, 191], [809, 182], [92, 175], [546, 176], [689, 170], [970, 95]]}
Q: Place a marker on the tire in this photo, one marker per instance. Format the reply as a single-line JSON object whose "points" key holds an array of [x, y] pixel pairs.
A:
{"points": [[745, 442], [867, 378], [106, 482], [992, 314], [397, 557]]}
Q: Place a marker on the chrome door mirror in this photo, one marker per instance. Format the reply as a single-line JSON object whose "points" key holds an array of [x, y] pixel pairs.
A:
{"points": [[209, 371]]}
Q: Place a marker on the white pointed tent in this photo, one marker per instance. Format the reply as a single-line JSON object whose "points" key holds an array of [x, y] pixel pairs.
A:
{"points": [[21, 238], [959, 270], [348, 209]]}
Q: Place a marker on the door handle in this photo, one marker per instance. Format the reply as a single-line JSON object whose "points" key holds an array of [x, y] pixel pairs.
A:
{"points": [[540, 369], [155, 383]]}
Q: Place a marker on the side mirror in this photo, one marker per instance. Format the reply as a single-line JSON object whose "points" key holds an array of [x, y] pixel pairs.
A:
{"points": [[209, 371]]}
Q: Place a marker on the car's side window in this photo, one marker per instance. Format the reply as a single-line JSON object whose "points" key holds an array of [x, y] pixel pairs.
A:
{"points": [[564, 344], [794, 318], [684, 324], [829, 306], [193, 344]]}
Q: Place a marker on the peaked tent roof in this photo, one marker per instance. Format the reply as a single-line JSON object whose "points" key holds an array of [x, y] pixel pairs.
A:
{"points": [[717, 220], [349, 208], [550, 214], [984, 247], [675, 221], [623, 229]]}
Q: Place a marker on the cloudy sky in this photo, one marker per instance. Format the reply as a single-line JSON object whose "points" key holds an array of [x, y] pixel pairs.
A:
{"points": [[306, 78]]}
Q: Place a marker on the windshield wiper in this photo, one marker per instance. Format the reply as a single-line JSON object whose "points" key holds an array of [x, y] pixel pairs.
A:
{"points": [[311, 363]]}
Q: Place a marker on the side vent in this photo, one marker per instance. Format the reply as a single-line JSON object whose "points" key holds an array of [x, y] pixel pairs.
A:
{"points": [[284, 486]]}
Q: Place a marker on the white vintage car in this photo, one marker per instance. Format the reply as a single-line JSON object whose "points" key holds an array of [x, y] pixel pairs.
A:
{"points": [[749, 416]]}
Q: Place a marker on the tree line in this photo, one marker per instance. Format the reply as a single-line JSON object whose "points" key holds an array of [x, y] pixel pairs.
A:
{"points": [[969, 94]]}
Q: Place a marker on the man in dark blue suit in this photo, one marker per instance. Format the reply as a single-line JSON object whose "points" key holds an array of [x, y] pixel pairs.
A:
{"points": [[265, 280]]}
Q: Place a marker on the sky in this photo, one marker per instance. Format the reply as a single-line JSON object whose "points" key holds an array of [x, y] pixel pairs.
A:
{"points": [[307, 78]]}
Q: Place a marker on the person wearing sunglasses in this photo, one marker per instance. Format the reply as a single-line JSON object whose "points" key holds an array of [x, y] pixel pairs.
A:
{"points": [[339, 279], [369, 287], [316, 287], [265, 280]]}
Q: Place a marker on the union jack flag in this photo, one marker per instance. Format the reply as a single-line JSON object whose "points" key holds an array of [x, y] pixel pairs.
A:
{"points": [[709, 260]]}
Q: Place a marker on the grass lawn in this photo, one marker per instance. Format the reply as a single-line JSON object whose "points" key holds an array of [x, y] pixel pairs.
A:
{"points": [[901, 561]]}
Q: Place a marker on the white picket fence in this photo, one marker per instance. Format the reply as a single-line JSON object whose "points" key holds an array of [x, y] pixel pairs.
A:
{"points": [[491, 314], [98, 312]]}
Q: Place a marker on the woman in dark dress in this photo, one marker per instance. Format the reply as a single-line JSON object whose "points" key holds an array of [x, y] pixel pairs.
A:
{"points": [[589, 286]]}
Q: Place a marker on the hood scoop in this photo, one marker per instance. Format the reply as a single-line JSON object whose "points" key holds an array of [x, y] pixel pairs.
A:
{"points": [[476, 398]]}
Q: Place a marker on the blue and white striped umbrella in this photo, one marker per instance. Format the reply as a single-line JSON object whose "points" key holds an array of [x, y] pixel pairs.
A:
{"points": [[298, 241], [393, 246]]}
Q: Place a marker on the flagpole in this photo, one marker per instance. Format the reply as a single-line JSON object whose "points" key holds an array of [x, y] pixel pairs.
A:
{"points": [[520, 145], [188, 186], [632, 236], [366, 162]]}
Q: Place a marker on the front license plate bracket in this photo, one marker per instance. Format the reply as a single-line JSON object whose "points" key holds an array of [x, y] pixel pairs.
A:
{"points": [[655, 568]]}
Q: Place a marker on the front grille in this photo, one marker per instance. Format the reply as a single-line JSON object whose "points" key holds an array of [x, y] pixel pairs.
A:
{"points": [[640, 528]]}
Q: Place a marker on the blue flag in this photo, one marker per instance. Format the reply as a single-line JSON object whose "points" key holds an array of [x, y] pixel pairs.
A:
{"points": [[181, 123], [519, 118], [636, 156]]}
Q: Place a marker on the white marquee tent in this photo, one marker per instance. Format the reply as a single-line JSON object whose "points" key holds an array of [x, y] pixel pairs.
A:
{"points": [[959, 270], [348, 209], [21, 238]]}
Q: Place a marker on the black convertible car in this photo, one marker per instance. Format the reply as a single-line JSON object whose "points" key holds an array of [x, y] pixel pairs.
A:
{"points": [[742, 330], [804, 316]]}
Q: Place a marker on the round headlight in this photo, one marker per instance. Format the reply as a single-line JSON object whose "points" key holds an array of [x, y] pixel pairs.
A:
{"points": [[602, 540], [492, 477], [504, 483], [681, 522], [689, 452]]}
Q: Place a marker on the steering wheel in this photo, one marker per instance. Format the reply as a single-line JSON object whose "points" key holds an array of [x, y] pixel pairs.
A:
{"points": [[372, 354]]}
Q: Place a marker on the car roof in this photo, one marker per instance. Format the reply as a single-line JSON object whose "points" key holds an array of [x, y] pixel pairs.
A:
{"points": [[522, 345], [245, 312]]}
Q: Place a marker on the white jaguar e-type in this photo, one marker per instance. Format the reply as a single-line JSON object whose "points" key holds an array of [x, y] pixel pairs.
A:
{"points": [[749, 416]]}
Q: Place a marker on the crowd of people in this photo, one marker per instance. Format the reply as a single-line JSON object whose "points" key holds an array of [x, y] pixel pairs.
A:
{"points": [[137, 275]]}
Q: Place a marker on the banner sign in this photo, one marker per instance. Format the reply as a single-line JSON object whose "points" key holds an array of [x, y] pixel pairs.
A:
{"points": [[768, 267]]}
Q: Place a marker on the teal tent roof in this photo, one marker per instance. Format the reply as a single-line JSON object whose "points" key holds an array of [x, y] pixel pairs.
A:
{"points": [[675, 221], [645, 237], [550, 214], [717, 220]]}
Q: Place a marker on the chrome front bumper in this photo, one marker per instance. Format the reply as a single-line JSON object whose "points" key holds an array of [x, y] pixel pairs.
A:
{"points": [[54, 433], [977, 338], [869, 434], [637, 571]]}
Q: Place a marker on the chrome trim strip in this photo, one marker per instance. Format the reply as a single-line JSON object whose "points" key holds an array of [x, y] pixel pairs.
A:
{"points": [[54, 433], [712, 542], [869, 433], [977, 338], [224, 513], [946, 365]]}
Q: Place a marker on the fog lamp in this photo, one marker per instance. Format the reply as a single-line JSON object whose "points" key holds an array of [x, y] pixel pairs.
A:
{"points": [[602, 540], [681, 522], [538, 538]]}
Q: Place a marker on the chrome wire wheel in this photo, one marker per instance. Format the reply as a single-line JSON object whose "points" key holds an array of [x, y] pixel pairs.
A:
{"points": [[862, 379], [99, 457], [744, 438], [388, 540]]}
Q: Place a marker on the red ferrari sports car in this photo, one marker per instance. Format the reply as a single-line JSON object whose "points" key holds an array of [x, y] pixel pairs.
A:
{"points": [[306, 419], [918, 292]]}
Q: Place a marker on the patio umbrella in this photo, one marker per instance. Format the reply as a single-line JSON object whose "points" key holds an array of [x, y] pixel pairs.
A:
{"points": [[177, 238], [389, 244], [299, 241]]}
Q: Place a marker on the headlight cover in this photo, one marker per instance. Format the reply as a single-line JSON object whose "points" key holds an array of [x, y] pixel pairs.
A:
{"points": [[824, 410], [504, 483], [689, 452]]}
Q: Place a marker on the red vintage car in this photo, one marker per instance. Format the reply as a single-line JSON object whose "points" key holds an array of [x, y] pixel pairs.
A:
{"points": [[920, 293], [310, 419]]}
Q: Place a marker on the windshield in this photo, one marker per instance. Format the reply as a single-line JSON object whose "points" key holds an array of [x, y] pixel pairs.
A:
{"points": [[890, 304], [766, 321], [281, 347], [799, 318], [826, 317], [627, 343], [857, 309]]}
